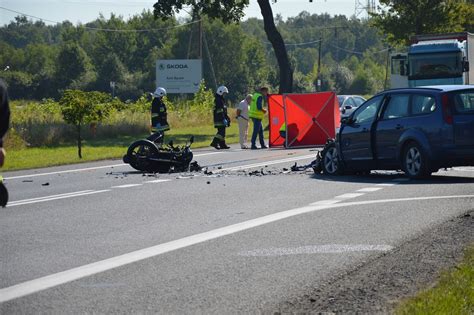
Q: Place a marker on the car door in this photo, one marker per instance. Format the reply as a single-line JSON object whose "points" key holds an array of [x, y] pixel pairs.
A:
{"points": [[355, 136], [390, 127], [463, 121]]}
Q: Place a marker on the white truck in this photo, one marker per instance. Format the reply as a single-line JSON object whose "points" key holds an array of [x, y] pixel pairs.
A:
{"points": [[438, 59]]}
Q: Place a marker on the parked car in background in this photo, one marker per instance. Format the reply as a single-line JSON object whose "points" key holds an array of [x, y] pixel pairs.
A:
{"points": [[418, 130], [349, 103]]}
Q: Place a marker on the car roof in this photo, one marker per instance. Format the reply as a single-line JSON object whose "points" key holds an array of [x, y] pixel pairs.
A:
{"points": [[441, 88]]}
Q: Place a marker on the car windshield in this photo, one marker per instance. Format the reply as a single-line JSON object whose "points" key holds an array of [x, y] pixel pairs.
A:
{"points": [[439, 65], [341, 99]]}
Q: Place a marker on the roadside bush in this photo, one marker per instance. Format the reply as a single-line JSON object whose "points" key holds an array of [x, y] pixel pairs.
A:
{"points": [[36, 124]]}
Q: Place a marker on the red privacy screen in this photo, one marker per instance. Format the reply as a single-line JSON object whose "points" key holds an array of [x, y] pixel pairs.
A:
{"points": [[310, 119]]}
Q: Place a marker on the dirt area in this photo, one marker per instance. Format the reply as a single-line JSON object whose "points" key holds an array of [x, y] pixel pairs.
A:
{"points": [[377, 285]]}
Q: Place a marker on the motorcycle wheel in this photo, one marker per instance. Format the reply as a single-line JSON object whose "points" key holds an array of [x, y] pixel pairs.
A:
{"points": [[138, 155]]}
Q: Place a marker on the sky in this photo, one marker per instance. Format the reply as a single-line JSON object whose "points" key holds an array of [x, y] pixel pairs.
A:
{"points": [[84, 11]]}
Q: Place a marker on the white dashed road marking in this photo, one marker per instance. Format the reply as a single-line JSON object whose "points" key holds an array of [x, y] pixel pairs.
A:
{"points": [[349, 196], [370, 189], [314, 249], [157, 181], [40, 284], [127, 186]]}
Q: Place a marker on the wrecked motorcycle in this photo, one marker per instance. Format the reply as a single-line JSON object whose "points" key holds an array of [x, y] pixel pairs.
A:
{"points": [[149, 155]]}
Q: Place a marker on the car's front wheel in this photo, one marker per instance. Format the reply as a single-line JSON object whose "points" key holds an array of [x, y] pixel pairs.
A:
{"points": [[415, 161], [330, 161]]}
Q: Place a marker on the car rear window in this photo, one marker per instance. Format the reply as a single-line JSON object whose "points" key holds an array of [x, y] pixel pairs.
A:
{"points": [[423, 104], [463, 102]]}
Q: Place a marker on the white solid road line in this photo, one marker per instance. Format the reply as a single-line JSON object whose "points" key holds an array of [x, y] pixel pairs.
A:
{"points": [[314, 249], [263, 164], [87, 169], [50, 196], [66, 171], [40, 284], [54, 197]]}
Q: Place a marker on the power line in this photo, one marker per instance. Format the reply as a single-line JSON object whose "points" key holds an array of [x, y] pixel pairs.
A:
{"points": [[106, 29], [298, 44], [358, 52]]}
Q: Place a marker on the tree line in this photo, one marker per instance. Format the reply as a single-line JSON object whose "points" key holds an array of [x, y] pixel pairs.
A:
{"points": [[40, 61]]}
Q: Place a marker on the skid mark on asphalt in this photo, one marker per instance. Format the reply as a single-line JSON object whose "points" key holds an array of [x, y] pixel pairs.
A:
{"points": [[43, 283], [314, 249]]}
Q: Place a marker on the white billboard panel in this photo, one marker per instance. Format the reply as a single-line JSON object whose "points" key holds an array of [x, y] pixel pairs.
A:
{"points": [[179, 75]]}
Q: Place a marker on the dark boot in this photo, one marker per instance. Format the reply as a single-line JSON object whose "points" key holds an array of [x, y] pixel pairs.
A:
{"points": [[215, 143], [223, 145]]}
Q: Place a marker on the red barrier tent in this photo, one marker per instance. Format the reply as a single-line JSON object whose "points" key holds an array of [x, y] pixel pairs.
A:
{"points": [[310, 119]]}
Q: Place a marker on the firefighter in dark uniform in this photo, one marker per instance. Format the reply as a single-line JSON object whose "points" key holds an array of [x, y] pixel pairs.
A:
{"points": [[159, 122], [221, 119]]}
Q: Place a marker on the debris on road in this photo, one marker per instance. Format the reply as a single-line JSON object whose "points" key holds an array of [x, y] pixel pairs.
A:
{"points": [[45, 184]]}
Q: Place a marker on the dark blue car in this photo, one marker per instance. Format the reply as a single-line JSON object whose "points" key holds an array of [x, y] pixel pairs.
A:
{"points": [[418, 130]]}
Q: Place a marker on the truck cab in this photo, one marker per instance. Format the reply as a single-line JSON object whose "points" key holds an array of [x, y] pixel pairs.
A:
{"points": [[441, 59]]}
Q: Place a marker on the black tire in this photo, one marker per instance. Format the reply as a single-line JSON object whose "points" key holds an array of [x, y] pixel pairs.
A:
{"points": [[415, 163], [330, 162], [138, 155]]}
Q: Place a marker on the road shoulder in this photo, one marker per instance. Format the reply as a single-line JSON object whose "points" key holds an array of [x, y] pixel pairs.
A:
{"points": [[378, 284]]}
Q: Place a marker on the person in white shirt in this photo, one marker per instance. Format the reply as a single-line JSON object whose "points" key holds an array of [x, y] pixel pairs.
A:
{"points": [[243, 119]]}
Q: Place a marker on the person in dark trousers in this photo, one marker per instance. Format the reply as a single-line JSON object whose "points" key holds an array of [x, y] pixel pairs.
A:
{"points": [[159, 116], [4, 118], [256, 113], [221, 119]]}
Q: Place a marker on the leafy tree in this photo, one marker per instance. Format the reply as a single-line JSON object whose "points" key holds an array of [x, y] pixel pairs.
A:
{"points": [[79, 108], [112, 69], [400, 19], [343, 78], [73, 64], [232, 11]]}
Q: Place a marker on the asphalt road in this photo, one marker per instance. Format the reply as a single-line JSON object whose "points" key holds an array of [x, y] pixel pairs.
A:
{"points": [[99, 237]]}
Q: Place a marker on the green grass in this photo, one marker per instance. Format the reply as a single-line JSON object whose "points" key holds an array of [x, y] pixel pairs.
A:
{"points": [[94, 150], [454, 293]]}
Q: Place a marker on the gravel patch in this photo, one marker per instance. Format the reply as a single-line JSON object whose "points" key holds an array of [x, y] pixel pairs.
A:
{"points": [[377, 285]]}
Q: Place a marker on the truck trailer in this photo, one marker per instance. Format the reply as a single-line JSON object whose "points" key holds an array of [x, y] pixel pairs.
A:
{"points": [[437, 59]]}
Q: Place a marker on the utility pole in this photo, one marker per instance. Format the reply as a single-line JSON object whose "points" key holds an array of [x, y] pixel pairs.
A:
{"points": [[318, 78]]}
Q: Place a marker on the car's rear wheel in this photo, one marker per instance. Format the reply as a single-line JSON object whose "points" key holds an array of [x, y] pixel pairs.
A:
{"points": [[330, 158], [415, 161]]}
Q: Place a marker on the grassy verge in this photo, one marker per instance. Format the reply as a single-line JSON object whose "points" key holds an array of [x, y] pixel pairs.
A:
{"points": [[454, 294], [103, 149]]}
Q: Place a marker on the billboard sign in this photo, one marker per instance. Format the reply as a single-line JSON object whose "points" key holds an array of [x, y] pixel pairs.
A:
{"points": [[179, 75]]}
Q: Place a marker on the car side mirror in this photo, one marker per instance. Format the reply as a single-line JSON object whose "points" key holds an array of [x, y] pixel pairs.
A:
{"points": [[346, 120]]}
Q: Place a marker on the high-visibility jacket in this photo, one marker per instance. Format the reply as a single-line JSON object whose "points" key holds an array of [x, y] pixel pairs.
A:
{"points": [[254, 112], [283, 127], [159, 116]]}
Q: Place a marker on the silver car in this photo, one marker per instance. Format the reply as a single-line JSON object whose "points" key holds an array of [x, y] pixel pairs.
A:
{"points": [[349, 103]]}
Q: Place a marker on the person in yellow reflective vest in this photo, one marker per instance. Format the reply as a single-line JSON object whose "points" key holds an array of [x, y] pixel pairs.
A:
{"points": [[256, 113], [221, 119], [159, 116]]}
